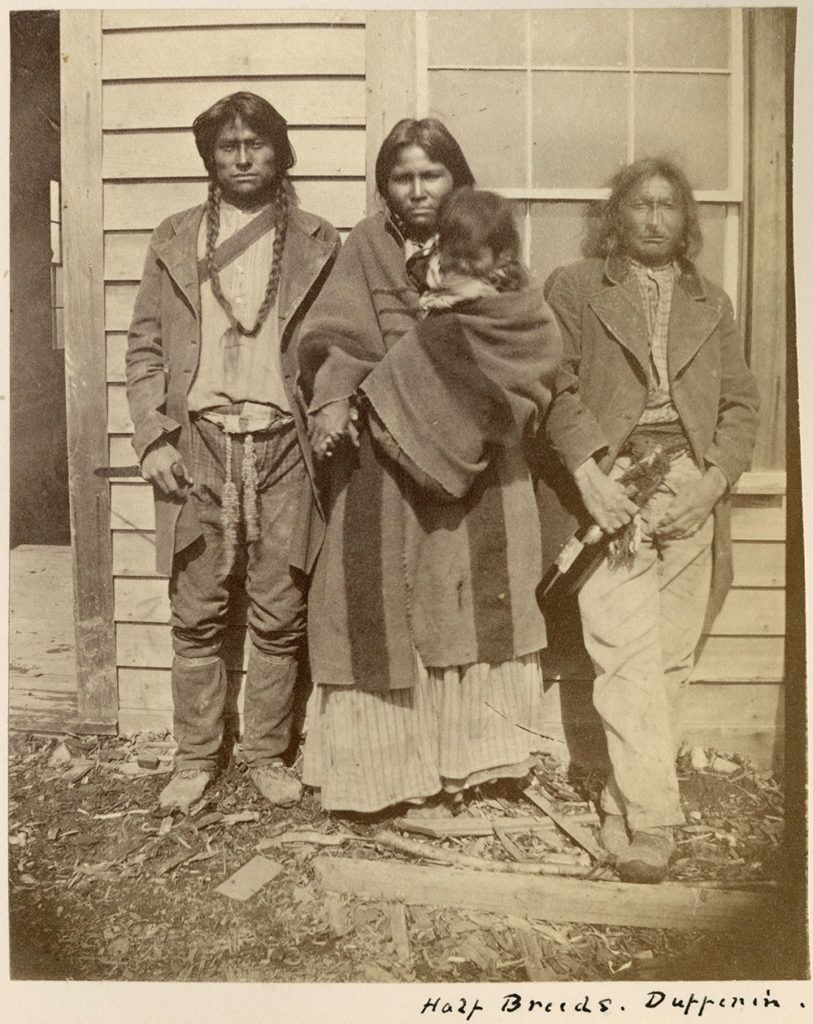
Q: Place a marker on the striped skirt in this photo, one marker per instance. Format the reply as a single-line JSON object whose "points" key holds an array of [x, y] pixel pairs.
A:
{"points": [[456, 727]]}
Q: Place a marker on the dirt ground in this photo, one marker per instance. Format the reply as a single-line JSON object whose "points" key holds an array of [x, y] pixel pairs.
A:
{"points": [[104, 886]]}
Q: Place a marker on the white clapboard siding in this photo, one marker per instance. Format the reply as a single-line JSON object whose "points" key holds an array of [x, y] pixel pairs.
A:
{"points": [[150, 689], [124, 255], [147, 19], [759, 564], [134, 553], [745, 613], [320, 152], [233, 50], [742, 718], [142, 205], [116, 349], [121, 451], [758, 519], [118, 413], [119, 299], [175, 104], [131, 506], [147, 645], [141, 600], [751, 613]]}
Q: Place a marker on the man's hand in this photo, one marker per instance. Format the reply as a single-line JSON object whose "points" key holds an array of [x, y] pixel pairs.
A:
{"points": [[163, 466], [605, 499], [330, 424], [691, 506]]}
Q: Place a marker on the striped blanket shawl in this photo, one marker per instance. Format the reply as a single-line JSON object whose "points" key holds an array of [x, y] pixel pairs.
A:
{"points": [[449, 570]]}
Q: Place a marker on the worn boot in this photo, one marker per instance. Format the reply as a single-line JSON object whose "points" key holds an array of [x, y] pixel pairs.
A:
{"points": [[198, 696], [278, 784], [614, 836], [184, 789], [648, 856], [268, 714]]}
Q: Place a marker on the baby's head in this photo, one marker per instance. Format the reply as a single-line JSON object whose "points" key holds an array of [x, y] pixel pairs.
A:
{"points": [[477, 237]]}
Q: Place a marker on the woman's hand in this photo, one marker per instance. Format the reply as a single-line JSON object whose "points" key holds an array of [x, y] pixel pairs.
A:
{"points": [[604, 498], [330, 424], [163, 466], [691, 506]]}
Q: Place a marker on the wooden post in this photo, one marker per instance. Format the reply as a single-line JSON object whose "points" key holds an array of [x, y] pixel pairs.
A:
{"points": [[81, 101], [767, 293], [391, 74]]}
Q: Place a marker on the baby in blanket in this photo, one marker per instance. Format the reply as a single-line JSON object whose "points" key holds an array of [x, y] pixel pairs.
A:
{"points": [[477, 251]]}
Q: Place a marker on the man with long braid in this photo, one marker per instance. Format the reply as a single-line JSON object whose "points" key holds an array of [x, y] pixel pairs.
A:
{"points": [[220, 434]]}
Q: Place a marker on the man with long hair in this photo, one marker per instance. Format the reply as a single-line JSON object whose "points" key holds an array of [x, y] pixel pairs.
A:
{"points": [[221, 435], [652, 359]]}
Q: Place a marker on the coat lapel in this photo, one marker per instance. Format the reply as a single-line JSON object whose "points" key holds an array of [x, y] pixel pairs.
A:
{"points": [[179, 255], [691, 322], [619, 309], [303, 259]]}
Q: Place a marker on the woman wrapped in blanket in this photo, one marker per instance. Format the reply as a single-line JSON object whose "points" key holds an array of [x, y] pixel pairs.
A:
{"points": [[424, 632]]}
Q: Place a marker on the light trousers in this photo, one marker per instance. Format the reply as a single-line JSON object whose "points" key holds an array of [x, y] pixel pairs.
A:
{"points": [[642, 624]]}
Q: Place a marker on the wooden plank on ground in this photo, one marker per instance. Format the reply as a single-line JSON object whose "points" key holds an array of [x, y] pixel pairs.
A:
{"points": [[234, 51], [176, 104], [320, 152], [141, 206], [117, 20], [577, 832], [399, 933], [548, 899], [85, 372], [465, 826]]}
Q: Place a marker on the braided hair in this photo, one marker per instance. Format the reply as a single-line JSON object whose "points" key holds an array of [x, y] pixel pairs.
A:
{"points": [[281, 202], [253, 110]]}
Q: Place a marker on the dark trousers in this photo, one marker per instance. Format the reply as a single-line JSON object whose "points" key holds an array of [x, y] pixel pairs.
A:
{"points": [[201, 595]]}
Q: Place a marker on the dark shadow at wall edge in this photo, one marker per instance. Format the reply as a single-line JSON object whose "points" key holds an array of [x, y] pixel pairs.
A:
{"points": [[796, 767], [39, 459]]}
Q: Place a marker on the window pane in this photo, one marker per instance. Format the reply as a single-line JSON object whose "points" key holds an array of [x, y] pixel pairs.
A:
{"points": [[712, 223], [476, 37], [685, 117], [485, 111], [579, 127], [557, 231], [681, 38], [581, 38]]}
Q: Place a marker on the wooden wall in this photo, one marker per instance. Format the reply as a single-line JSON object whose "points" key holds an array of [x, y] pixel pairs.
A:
{"points": [[158, 70]]}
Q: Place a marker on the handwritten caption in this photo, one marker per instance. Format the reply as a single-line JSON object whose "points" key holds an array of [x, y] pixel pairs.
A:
{"points": [[689, 1004]]}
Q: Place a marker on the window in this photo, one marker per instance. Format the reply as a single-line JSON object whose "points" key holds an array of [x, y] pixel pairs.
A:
{"points": [[547, 105]]}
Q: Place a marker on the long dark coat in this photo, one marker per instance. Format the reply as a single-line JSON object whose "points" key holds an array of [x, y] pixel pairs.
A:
{"points": [[602, 389], [163, 345]]}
